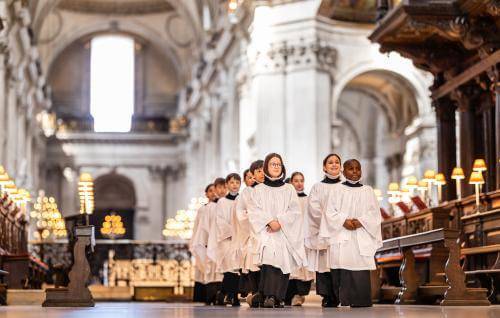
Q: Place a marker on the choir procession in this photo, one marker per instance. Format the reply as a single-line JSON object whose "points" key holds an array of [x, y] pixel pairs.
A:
{"points": [[269, 243]]}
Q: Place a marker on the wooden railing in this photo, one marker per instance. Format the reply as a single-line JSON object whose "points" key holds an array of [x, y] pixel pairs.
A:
{"points": [[13, 228]]}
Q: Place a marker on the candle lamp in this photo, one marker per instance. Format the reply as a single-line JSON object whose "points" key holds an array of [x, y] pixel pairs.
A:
{"points": [[476, 178], [429, 177], [440, 181], [411, 184], [86, 192], [422, 188], [479, 165], [458, 175]]}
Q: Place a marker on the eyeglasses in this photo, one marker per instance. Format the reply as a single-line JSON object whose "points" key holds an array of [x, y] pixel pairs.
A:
{"points": [[275, 165]]}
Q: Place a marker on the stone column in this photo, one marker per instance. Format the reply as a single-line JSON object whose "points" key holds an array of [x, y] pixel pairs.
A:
{"points": [[3, 104]]}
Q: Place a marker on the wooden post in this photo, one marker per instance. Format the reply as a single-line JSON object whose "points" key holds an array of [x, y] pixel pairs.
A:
{"points": [[77, 294], [407, 278], [446, 142], [457, 293]]}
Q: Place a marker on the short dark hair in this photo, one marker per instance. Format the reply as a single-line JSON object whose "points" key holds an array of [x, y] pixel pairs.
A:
{"points": [[351, 161], [247, 171], [331, 155], [233, 176], [219, 181], [258, 164], [296, 173], [208, 187], [287, 180], [266, 164]]}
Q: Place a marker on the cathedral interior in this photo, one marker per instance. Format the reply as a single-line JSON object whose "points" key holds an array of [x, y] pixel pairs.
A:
{"points": [[118, 113]]}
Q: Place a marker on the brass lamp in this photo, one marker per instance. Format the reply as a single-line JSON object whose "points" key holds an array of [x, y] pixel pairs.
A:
{"points": [[412, 184], [393, 191], [476, 178], [440, 181], [458, 175]]}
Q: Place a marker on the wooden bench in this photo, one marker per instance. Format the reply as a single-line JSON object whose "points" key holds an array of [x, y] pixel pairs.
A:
{"points": [[3, 288], [455, 291], [487, 275]]}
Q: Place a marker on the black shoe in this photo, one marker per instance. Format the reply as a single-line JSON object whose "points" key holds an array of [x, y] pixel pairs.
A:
{"points": [[256, 301], [236, 302], [219, 299], [279, 304], [270, 302], [329, 303]]}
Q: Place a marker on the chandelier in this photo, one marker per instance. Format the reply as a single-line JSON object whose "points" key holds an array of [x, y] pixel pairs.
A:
{"points": [[112, 226], [48, 220], [181, 226]]}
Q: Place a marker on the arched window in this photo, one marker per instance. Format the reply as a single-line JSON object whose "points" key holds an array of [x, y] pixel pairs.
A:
{"points": [[112, 83]]}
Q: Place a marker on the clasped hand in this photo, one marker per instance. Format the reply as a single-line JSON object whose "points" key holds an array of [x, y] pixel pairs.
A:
{"points": [[352, 224], [273, 226]]}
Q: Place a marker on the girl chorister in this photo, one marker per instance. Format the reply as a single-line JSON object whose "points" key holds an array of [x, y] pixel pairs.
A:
{"points": [[353, 222], [275, 216], [300, 279], [317, 247], [197, 247], [225, 241]]}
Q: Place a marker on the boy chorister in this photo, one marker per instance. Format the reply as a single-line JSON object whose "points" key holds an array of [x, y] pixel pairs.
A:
{"points": [[197, 247], [353, 221], [226, 245], [300, 279], [248, 239], [275, 216]]}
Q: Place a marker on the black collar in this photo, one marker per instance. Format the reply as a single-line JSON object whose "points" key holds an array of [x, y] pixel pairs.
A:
{"points": [[254, 184], [330, 180], [275, 183], [301, 194], [217, 199], [352, 185], [231, 197]]}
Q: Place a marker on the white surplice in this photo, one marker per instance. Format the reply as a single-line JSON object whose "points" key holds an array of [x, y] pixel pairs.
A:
{"points": [[283, 249], [206, 230], [317, 248], [247, 240], [197, 246], [224, 244], [303, 273], [353, 250]]}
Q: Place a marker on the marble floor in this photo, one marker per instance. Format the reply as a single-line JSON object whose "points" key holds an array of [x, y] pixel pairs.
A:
{"points": [[171, 310]]}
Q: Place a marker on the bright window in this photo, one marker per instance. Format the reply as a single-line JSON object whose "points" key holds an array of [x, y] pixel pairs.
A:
{"points": [[112, 83]]}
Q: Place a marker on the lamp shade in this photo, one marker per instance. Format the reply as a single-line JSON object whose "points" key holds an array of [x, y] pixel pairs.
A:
{"points": [[393, 188], [378, 194], [440, 179], [86, 178], [429, 175], [458, 173], [476, 177], [479, 165], [412, 182], [422, 185]]}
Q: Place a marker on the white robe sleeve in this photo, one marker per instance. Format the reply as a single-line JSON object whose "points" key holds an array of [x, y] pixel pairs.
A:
{"points": [[334, 218], [223, 221], [291, 221], [212, 234], [314, 214], [371, 218], [257, 216]]}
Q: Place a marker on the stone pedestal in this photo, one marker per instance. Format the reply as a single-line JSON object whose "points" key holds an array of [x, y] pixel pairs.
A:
{"points": [[77, 294]]}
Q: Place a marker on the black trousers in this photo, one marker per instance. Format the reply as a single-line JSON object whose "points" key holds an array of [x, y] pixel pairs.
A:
{"points": [[324, 286], [211, 291], [253, 281], [230, 284], [353, 288], [297, 287], [273, 282], [199, 292]]}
